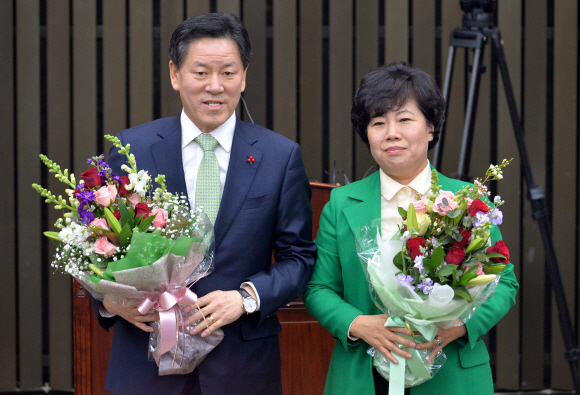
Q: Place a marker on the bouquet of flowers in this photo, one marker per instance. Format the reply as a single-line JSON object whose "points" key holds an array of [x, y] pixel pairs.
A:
{"points": [[121, 238], [435, 271]]}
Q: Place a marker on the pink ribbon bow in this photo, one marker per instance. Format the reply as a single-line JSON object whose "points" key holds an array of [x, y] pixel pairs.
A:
{"points": [[167, 319]]}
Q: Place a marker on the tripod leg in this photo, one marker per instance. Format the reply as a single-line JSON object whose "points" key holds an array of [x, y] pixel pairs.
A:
{"points": [[446, 89], [466, 143], [539, 210]]}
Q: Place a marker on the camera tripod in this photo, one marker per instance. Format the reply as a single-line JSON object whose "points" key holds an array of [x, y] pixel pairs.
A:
{"points": [[475, 39]]}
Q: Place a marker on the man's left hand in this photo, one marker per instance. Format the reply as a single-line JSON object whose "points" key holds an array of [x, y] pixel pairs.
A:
{"points": [[219, 308]]}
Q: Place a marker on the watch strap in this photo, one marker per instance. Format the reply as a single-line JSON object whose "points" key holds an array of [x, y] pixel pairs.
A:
{"points": [[245, 294]]}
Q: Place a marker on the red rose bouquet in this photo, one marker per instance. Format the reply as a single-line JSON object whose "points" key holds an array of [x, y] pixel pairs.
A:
{"points": [[436, 270], [120, 237]]}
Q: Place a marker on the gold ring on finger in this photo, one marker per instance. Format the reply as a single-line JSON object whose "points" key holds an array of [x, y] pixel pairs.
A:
{"points": [[212, 319]]}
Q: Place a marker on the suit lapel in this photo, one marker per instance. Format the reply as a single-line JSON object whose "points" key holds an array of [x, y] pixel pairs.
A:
{"points": [[239, 178], [368, 194], [167, 156]]}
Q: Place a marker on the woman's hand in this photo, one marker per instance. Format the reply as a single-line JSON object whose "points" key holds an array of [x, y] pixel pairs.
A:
{"points": [[444, 336], [371, 329]]}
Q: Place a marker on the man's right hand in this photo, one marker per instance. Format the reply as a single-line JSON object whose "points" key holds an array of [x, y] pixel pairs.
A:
{"points": [[130, 314]]}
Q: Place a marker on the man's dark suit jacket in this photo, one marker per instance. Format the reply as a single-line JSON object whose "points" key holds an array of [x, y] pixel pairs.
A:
{"points": [[265, 206]]}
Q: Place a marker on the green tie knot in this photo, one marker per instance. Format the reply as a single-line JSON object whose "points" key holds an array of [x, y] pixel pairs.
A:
{"points": [[207, 142]]}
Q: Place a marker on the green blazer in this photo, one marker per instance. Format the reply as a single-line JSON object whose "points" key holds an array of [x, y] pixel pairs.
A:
{"points": [[338, 292]]}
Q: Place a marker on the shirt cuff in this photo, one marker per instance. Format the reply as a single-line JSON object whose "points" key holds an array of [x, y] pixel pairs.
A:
{"points": [[255, 291], [104, 313], [352, 338]]}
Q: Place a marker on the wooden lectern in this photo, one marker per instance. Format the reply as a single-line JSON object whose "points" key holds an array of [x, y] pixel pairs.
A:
{"points": [[306, 347]]}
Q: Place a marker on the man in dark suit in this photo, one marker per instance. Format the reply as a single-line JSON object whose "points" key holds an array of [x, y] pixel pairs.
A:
{"points": [[264, 205]]}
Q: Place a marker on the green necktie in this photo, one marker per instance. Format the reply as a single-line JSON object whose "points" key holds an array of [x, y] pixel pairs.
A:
{"points": [[207, 187]]}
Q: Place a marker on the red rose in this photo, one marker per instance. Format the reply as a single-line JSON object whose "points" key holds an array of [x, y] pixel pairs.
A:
{"points": [[499, 248], [415, 245], [464, 242], [141, 208], [91, 178], [455, 256], [124, 181], [117, 215], [477, 206]]}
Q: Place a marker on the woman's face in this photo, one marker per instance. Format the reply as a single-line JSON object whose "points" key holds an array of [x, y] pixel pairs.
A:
{"points": [[399, 141]]}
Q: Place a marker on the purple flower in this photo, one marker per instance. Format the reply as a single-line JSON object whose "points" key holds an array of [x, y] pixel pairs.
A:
{"points": [[496, 217], [426, 286], [479, 219], [419, 264], [85, 198], [404, 279], [87, 216]]}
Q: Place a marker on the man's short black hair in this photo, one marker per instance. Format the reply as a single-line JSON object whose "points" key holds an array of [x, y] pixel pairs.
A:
{"points": [[391, 86], [214, 25]]}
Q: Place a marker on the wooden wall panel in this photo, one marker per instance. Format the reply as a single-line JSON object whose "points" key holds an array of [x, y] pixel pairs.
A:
{"points": [[564, 174], [509, 189], [84, 83], [310, 79], [114, 69], [197, 7], [254, 18], [340, 87], [229, 7], [532, 292], [366, 59], [28, 212], [455, 116], [8, 200], [396, 31], [58, 148], [424, 35], [284, 67], [171, 17], [141, 62]]}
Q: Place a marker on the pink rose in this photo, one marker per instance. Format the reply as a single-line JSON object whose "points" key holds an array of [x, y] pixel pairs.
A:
{"points": [[101, 224], [441, 207], [134, 199], [468, 200], [420, 207], [160, 217], [104, 247], [106, 195], [479, 270]]}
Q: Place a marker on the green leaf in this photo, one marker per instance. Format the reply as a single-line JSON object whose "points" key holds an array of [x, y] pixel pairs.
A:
{"points": [[112, 221], [97, 271], [146, 223], [469, 275], [438, 256], [494, 255], [138, 219], [462, 293], [402, 212], [447, 270], [454, 213], [125, 235], [494, 269], [102, 264], [428, 265], [53, 236], [126, 217], [398, 261], [446, 240]]}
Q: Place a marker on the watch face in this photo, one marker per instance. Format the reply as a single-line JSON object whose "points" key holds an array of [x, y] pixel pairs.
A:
{"points": [[250, 305]]}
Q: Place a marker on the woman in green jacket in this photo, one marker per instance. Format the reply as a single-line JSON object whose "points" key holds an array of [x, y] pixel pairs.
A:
{"points": [[398, 112]]}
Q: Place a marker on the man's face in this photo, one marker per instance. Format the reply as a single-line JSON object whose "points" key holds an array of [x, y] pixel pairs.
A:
{"points": [[210, 81]]}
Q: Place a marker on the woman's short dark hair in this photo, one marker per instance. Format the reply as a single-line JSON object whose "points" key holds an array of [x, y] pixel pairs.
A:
{"points": [[389, 87], [214, 25]]}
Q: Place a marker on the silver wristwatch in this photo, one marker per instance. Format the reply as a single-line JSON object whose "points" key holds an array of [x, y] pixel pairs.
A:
{"points": [[249, 304]]}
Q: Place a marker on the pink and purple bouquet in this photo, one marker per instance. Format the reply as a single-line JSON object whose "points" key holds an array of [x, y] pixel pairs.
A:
{"points": [[436, 270], [121, 238]]}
